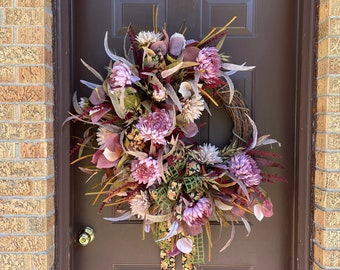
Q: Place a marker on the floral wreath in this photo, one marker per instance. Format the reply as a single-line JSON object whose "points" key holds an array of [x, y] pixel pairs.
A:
{"points": [[142, 123]]}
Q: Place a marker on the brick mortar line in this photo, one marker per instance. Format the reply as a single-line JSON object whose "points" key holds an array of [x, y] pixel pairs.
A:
{"points": [[47, 215], [28, 234], [324, 267], [328, 95], [327, 189], [51, 120], [328, 76], [47, 84], [327, 170], [328, 17], [30, 141], [326, 229], [33, 178], [327, 151], [25, 45], [327, 37], [327, 210], [328, 56], [20, 103], [316, 242], [18, 197], [45, 252], [328, 132], [327, 113]]}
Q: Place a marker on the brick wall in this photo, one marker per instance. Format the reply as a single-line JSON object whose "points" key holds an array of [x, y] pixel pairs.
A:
{"points": [[327, 145], [26, 135]]}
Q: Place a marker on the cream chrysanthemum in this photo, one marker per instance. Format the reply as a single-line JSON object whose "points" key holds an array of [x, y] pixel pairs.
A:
{"points": [[208, 154], [139, 204], [145, 38], [192, 108]]}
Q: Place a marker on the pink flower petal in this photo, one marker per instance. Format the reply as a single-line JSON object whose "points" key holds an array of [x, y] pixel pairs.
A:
{"points": [[96, 116], [97, 96], [184, 245], [267, 208]]}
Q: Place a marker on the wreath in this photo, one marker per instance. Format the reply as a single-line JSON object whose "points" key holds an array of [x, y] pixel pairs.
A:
{"points": [[141, 125]]}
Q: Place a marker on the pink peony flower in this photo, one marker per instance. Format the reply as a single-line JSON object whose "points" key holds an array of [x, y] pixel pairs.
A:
{"points": [[209, 64], [155, 126], [145, 171], [121, 75], [199, 213], [245, 169]]}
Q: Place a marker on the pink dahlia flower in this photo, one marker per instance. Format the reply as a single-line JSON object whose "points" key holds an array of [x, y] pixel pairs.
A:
{"points": [[209, 64], [145, 171], [155, 126], [121, 75], [245, 169], [198, 214]]}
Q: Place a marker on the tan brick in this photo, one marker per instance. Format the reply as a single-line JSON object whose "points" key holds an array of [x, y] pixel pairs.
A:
{"points": [[327, 199], [329, 180], [25, 131], [33, 168], [32, 3], [24, 16], [7, 74], [324, 141], [323, 48], [22, 55], [328, 85], [23, 243], [316, 267], [13, 225], [7, 112], [44, 187], [34, 35], [334, 7], [15, 261], [35, 112], [327, 219], [33, 74], [329, 258], [328, 66], [26, 206], [7, 150], [328, 104], [6, 35], [16, 187], [25, 94], [329, 123], [323, 10], [6, 3], [323, 29], [36, 150], [328, 160], [40, 225], [44, 261], [327, 238]]}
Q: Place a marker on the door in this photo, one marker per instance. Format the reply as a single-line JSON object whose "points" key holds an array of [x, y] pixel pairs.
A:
{"points": [[264, 35]]}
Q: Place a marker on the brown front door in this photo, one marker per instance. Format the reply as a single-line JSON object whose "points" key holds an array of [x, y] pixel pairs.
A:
{"points": [[264, 35]]}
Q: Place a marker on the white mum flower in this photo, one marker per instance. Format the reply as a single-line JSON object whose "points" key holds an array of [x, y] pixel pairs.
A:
{"points": [[139, 205], [192, 108], [145, 38], [208, 154]]}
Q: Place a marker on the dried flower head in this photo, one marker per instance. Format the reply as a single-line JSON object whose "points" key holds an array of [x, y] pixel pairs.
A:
{"points": [[192, 108], [199, 213], [145, 171], [145, 38], [208, 154], [209, 64], [121, 75], [139, 204], [155, 126], [245, 169]]}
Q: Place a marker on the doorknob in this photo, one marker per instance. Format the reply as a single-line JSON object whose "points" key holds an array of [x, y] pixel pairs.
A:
{"points": [[86, 236]]}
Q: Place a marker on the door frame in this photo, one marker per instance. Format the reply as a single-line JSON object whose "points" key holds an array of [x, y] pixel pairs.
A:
{"points": [[302, 252]]}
